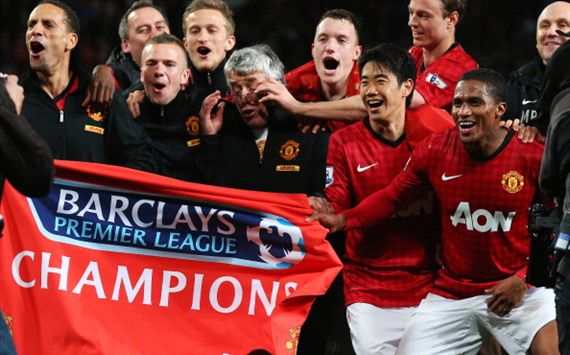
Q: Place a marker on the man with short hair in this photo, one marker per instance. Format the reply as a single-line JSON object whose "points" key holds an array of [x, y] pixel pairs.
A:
{"points": [[389, 269], [55, 86], [168, 113], [208, 28], [142, 21], [440, 61], [333, 73], [524, 85], [485, 187]]}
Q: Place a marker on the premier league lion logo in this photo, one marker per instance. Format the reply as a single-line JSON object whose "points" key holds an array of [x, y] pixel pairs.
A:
{"points": [[280, 243]]}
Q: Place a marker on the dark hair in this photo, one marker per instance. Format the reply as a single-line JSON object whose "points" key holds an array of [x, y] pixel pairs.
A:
{"points": [[342, 14], [494, 81], [140, 4], [218, 5], [454, 5], [392, 58], [71, 18], [167, 38]]}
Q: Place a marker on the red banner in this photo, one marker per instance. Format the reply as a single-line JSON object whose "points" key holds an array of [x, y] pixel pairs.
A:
{"points": [[115, 261]]}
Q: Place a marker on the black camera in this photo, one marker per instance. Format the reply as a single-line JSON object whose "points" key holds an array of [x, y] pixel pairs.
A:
{"points": [[543, 227]]}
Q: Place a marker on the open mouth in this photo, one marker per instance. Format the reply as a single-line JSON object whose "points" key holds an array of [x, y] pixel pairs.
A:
{"points": [[204, 50], [36, 47], [248, 112], [330, 63], [158, 86], [375, 103], [466, 124]]}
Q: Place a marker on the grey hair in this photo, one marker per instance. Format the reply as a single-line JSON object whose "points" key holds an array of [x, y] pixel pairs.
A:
{"points": [[257, 58]]}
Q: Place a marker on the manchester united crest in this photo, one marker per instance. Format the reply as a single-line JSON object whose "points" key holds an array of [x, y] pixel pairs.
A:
{"points": [[95, 115], [512, 182], [293, 340], [289, 150], [193, 125]]}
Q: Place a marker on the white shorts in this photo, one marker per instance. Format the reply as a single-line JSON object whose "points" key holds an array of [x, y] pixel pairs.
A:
{"points": [[446, 326], [376, 330]]}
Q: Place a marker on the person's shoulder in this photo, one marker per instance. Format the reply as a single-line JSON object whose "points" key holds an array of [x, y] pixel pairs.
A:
{"points": [[415, 51], [458, 55], [529, 70], [307, 68], [350, 132], [425, 120]]}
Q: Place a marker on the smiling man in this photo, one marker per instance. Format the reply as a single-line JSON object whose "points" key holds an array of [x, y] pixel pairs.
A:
{"points": [[388, 269], [525, 83], [440, 61], [485, 184]]}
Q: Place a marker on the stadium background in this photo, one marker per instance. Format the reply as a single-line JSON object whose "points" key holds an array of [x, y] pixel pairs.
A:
{"points": [[498, 33]]}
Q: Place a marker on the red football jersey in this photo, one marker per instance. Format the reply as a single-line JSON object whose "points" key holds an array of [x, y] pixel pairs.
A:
{"points": [[305, 85], [391, 265], [437, 82], [483, 206]]}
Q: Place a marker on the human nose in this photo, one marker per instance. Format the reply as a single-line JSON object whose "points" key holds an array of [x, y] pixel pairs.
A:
{"points": [[464, 110], [371, 90], [412, 20]]}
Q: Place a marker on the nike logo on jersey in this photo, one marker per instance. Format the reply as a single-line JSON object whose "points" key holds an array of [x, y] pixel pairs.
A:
{"points": [[526, 102], [447, 178], [364, 168]]}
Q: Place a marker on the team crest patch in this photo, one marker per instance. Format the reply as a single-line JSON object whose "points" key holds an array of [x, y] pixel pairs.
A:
{"points": [[193, 125], [289, 150], [95, 115], [293, 340], [512, 182], [433, 78]]}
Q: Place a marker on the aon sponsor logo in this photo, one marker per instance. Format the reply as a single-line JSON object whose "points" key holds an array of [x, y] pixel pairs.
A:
{"points": [[481, 220]]}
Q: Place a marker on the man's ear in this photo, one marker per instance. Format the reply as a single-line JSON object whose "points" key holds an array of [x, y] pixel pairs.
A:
{"points": [[72, 40], [501, 109], [230, 43], [125, 47], [186, 77], [453, 19], [407, 87]]}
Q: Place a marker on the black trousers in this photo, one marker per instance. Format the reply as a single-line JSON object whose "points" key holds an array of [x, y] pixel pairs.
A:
{"points": [[562, 291]]}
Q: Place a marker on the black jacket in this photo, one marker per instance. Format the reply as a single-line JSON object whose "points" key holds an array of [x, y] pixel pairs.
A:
{"points": [[523, 91], [206, 83], [174, 132], [25, 159], [126, 71], [292, 162], [555, 169], [77, 133]]}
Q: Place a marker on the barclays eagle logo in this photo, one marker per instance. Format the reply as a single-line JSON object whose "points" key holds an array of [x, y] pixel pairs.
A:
{"points": [[280, 243]]}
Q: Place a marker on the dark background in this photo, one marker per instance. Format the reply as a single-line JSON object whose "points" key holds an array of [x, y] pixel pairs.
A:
{"points": [[499, 34]]}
